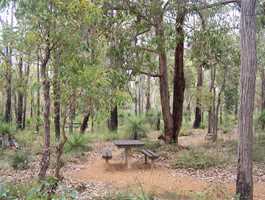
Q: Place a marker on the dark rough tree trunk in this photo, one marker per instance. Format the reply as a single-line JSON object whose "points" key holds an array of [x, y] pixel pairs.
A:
{"points": [[20, 96], [25, 97], [244, 183], [72, 112], [179, 79], [263, 93], [211, 111], [163, 81], [57, 97], [198, 112], [113, 120], [8, 103], [60, 148], [84, 124], [38, 97], [31, 105], [136, 99], [148, 94], [45, 160]]}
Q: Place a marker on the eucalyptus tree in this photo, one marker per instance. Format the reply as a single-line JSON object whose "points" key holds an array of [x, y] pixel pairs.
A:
{"points": [[154, 17], [6, 53], [248, 68]]}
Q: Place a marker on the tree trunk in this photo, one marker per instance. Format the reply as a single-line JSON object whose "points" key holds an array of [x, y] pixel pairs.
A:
{"points": [[148, 95], [263, 93], [25, 97], [84, 124], [45, 160], [8, 104], [72, 112], [113, 121], [59, 150], [163, 81], [38, 96], [198, 112], [20, 95], [57, 97], [179, 79], [244, 183], [211, 112]]}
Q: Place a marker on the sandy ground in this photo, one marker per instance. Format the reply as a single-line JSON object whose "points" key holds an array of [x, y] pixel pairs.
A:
{"points": [[156, 179]]}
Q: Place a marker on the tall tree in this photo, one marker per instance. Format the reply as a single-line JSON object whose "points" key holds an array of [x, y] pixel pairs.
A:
{"points": [[244, 183]]}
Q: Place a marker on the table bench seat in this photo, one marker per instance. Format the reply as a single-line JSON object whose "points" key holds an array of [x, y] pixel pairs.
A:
{"points": [[149, 154]]}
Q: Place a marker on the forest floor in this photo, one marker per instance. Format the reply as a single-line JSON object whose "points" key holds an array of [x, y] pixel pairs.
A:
{"points": [[161, 179], [93, 178]]}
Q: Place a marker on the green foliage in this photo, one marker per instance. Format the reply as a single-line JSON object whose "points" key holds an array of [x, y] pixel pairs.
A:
{"points": [[20, 160], [261, 119], [229, 122], [77, 143], [6, 128], [152, 117], [136, 126], [129, 196], [197, 159], [215, 191], [42, 190]]}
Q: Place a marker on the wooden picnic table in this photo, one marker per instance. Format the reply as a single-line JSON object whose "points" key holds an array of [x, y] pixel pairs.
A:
{"points": [[128, 145]]}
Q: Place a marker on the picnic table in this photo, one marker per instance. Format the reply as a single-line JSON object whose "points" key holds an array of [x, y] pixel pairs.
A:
{"points": [[128, 145]]}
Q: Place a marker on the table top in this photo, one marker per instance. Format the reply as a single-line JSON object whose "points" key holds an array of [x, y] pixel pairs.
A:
{"points": [[128, 143]]}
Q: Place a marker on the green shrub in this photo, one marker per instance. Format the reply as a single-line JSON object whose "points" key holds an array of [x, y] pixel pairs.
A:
{"points": [[136, 127], [258, 149], [36, 191], [197, 159], [152, 117], [129, 196], [20, 160], [77, 143], [261, 119], [6, 128]]}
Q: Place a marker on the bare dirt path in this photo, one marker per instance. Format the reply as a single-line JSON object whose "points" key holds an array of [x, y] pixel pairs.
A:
{"points": [[157, 179]]}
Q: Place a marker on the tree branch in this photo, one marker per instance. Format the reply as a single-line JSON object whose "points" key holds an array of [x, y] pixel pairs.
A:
{"points": [[208, 6], [145, 73], [147, 49]]}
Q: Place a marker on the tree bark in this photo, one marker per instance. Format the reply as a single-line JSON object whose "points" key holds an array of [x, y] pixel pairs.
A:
{"points": [[263, 93], [59, 150], [25, 97], [20, 95], [38, 96], [45, 160], [163, 81], [57, 97], [148, 94], [113, 121], [84, 124], [179, 79], [248, 68], [198, 112], [8, 104], [72, 112], [211, 112]]}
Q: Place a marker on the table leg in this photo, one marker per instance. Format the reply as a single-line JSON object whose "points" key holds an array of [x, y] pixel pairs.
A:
{"points": [[126, 153]]}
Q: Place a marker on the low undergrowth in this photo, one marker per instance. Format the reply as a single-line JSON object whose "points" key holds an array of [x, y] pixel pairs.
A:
{"points": [[77, 143], [36, 190], [198, 159]]}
